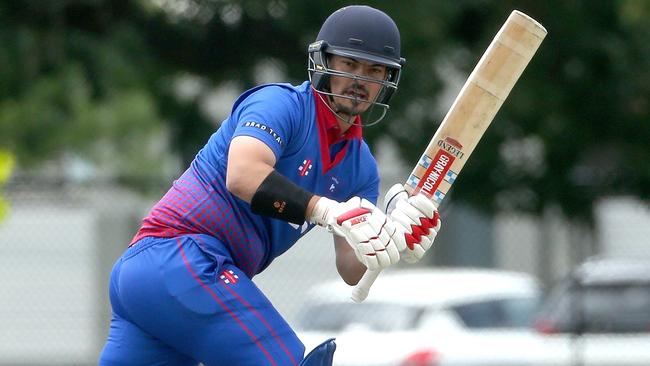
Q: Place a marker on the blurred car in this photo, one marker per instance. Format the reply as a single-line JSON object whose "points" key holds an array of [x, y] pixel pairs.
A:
{"points": [[427, 317], [599, 315]]}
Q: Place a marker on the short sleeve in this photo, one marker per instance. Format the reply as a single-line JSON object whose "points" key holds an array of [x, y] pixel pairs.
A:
{"points": [[270, 114]]}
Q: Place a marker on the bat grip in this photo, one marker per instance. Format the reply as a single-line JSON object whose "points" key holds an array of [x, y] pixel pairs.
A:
{"points": [[360, 291]]}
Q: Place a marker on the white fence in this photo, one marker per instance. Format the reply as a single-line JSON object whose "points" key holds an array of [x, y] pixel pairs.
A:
{"points": [[57, 248]]}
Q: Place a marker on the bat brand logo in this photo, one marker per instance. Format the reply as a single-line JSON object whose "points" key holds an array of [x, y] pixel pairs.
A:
{"points": [[452, 146], [435, 173], [454, 142]]}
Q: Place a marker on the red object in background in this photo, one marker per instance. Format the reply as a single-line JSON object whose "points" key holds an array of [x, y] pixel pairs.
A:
{"points": [[426, 357], [544, 327]]}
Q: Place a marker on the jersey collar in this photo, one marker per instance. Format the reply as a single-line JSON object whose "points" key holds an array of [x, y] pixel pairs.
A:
{"points": [[329, 134]]}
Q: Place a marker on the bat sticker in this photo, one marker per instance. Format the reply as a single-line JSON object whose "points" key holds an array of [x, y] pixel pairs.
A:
{"points": [[450, 177], [435, 173], [425, 161], [452, 146], [413, 181], [438, 196]]}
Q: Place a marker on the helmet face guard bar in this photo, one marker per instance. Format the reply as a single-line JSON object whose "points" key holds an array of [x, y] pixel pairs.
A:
{"points": [[384, 108], [327, 72]]}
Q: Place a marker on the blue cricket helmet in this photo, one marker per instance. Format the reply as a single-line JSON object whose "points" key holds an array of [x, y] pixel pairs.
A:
{"points": [[362, 32], [359, 32]]}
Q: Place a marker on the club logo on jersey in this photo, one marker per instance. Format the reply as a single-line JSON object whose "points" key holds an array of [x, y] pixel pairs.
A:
{"points": [[305, 167], [266, 129], [452, 146], [229, 277], [435, 173]]}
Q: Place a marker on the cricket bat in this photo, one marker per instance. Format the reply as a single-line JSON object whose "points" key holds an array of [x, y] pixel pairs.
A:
{"points": [[470, 115]]}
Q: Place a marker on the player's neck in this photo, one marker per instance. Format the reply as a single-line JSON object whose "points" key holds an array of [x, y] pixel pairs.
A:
{"points": [[342, 120]]}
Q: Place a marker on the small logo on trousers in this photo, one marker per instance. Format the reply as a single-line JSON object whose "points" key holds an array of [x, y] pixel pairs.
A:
{"points": [[229, 277]]}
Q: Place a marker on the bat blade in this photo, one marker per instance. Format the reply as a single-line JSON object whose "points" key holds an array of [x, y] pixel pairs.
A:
{"points": [[475, 106], [471, 113]]}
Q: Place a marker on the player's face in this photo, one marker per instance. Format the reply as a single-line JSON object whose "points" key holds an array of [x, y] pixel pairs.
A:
{"points": [[361, 91]]}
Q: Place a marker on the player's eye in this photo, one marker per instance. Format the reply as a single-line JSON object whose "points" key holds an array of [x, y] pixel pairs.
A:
{"points": [[378, 72]]}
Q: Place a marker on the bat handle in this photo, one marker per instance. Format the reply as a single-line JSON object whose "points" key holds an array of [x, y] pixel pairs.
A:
{"points": [[360, 291]]}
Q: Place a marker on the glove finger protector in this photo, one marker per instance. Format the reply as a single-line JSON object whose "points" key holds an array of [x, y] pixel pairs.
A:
{"points": [[416, 218]]}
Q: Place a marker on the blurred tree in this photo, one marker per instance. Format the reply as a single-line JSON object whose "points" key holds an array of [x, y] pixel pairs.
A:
{"points": [[6, 166], [77, 79], [116, 79]]}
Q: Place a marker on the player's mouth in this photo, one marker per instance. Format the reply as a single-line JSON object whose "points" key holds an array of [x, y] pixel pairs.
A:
{"points": [[356, 94]]}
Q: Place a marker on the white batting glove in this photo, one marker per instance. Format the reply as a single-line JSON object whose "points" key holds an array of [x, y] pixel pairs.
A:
{"points": [[365, 227], [416, 218]]}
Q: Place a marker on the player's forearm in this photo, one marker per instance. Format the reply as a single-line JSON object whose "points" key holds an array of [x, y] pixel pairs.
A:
{"points": [[347, 264]]}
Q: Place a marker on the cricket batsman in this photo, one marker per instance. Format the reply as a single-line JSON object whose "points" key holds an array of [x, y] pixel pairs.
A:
{"points": [[287, 159]]}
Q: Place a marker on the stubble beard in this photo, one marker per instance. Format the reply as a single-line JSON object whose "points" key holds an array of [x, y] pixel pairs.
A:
{"points": [[354, 110], [357, 107]]}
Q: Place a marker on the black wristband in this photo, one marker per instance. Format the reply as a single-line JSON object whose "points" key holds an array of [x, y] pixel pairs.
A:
{"points": [[280, 198]]}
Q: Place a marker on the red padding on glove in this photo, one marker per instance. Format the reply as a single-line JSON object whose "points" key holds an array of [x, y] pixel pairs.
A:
{"points": [[411, 240], [419, 230]]}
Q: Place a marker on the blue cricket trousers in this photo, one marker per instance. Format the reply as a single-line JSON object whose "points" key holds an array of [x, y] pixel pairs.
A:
{"points": [[173, 304]]}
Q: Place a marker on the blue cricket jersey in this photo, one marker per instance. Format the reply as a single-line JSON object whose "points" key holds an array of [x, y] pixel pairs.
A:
{"points": [[285, 118]]}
